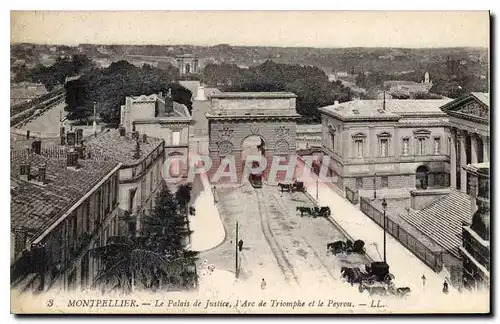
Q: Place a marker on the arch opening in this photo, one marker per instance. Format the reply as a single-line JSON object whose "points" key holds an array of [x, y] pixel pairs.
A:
{"points": [[422, 177]]}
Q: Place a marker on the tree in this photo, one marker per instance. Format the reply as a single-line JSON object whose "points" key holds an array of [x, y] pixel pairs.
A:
{"points": [[129, 264], [183, 196], [157, 258]]}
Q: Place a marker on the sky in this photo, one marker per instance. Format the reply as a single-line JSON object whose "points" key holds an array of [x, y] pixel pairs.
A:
{"points": [[253, 28]]}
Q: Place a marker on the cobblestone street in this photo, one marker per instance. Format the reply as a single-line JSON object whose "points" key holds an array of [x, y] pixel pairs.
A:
{"points": [[279, 244]]}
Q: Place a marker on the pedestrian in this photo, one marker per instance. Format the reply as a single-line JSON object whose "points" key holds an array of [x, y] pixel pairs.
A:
{"points": [[263, 284], [423, 280], [445, 287], [240, 245]]}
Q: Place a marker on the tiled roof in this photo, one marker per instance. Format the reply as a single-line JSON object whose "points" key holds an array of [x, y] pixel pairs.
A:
{"points": [[442, 220], [393, 108], [484, 97], [35, 207], [122, 148]]}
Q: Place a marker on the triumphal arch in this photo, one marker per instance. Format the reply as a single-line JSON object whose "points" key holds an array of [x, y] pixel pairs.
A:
{"points": [[235, 116]]}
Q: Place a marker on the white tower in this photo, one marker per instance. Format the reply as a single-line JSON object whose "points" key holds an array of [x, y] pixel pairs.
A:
{"points": [[426, 78]]}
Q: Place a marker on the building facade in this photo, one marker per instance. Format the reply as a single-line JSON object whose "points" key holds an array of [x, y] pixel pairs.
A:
{"points": [[61, 208], [140, 175], [387, 143], [469, 135], [475, 250], [469, 118], [187, 64], [160, 117]]}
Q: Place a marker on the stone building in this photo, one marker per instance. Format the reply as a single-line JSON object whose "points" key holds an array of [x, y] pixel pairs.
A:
{"points": [[240, 121], [469, 135], [142, 159], [187, 64], [387, 144], [475, 250], [60, 209], [159, 116]]}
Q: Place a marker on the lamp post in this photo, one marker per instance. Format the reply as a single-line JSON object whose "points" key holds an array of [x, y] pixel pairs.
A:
{"points": [[236, 245], [317, 189], [384, 207], [375, 186]]}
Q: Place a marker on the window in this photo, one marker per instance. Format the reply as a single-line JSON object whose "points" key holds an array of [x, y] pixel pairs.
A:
{"points": [[359, 147], [176, 138], [359, 183], [385, 181], [384, 147], [406, 146], [131, 200], [331, 131], [421, 146], [437, 145]]}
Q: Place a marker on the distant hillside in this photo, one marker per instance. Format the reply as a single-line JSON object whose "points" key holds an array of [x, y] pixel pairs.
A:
{"points": [[351, 60]]}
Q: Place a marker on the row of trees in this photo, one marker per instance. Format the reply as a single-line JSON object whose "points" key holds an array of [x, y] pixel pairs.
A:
{"points": [[309, 83], [55, 74], [451, 78], [156, 258], [108, 87]]}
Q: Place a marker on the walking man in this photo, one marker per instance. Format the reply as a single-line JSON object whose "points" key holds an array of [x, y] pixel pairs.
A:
{"points": [[423, 280], [263, 284]]}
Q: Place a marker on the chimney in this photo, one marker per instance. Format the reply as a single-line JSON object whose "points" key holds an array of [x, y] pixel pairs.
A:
{"points": [[41, 173], [122, 131], [81, 151], [25, 171], [72, 159], [336, 102], [79, 136], [135, 135], [36, 147], [144, 138], [62, 134], [71, 138], [27, 134]]}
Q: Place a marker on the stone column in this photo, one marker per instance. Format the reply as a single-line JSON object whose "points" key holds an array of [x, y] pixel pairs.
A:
{"points": [[486, 149], [463, 161], [453, 159], [473, 149]]}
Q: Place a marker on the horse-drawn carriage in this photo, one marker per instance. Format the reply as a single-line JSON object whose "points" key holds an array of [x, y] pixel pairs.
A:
{"points": [[347, 247], [292, 186], [376, 279], [314, 211]]}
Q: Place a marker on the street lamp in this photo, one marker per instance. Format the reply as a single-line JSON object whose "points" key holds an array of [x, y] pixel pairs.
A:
{"points": [[384, 207], [375, 186], [317, 189]]}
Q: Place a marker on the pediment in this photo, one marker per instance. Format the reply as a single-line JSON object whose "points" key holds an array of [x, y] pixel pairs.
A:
{"points": [[474, 108], [469, 106]]}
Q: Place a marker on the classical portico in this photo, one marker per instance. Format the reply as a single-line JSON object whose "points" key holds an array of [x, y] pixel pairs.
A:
{"points": [[235, 116], [469, 135]]}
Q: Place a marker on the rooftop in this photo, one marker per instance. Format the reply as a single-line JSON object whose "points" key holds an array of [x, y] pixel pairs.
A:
{"points": [[122, 148], [484, 97], [442, 220], [394, 108], [35, 207], [242, 95]]}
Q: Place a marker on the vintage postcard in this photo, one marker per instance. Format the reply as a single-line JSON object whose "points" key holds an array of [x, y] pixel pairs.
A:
{"points": [[285, 162]]}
